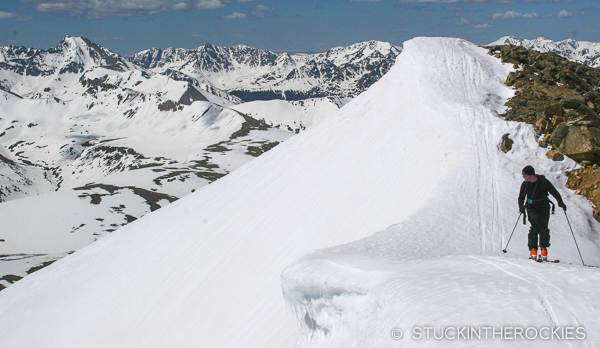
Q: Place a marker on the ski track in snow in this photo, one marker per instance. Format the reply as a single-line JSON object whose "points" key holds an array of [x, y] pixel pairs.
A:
{"points": [[391, 213], [544, 300], [486, 207]]}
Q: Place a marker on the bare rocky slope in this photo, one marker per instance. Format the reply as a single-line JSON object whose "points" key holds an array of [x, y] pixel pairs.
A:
{"points": [[561, 99]]}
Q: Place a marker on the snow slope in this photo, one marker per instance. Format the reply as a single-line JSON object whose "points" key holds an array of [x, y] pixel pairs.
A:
{"points": [[293, 115], [442, 266], [418, 150], [117, 143]]}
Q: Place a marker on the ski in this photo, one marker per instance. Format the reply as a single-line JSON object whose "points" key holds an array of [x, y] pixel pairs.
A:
{"points": [[550, 261]]}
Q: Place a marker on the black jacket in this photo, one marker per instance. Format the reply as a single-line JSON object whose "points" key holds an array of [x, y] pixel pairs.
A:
{"points": [[537, 193]]}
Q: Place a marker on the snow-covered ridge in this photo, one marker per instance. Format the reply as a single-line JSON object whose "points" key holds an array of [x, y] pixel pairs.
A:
{"points": [[259, 74], [425, 270], [418, 151], [578, 51]]}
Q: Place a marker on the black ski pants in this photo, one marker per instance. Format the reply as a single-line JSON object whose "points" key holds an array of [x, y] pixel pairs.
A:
{"points": [[538, 216]]}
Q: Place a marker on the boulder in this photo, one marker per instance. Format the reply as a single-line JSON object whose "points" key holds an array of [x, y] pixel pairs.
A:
{"points": [[578, 142], [571, 104], [554, 110], [541, 125], [555, 155], [506, 144]]}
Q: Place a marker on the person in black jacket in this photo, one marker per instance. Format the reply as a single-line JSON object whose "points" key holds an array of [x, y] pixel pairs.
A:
{"points": [[533, 200]]}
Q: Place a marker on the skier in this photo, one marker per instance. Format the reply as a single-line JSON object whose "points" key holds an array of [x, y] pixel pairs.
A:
{"points": [[536, 188]]}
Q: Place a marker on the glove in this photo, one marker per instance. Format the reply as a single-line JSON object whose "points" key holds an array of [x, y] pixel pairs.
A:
{"points": [[563, 206], [522, 209]]}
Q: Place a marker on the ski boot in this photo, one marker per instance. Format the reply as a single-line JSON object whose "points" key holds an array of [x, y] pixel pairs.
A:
{"points": [[544, 254], [533, 254]]}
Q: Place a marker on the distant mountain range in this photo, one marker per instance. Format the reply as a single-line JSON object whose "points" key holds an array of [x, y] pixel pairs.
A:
{"points": [[584, 52], [90, 142], [113, 138], [255, 74]]}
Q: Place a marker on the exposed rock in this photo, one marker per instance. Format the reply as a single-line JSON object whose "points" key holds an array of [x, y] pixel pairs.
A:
{"points": [[553, 92], [578, 142], [506, 144], [561, 99], [169, 105], [585, 182], [555, 155]]}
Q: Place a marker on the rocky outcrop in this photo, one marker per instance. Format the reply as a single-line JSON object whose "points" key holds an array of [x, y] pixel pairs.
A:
{"points": [[561, 100], [584, 52], [507, 143], [585, 182], [580, 143]]}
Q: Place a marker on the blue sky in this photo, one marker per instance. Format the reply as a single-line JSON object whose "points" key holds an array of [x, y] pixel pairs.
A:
{"points": [[129, 26]]}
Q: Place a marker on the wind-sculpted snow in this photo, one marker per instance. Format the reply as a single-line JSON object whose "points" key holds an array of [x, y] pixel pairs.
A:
{"points": [[407, 172], [440, 267], [345, 300]]}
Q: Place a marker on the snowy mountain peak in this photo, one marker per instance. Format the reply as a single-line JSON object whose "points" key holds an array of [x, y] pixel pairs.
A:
{"points": [[257, 74], [73, 55], [584, 52]]}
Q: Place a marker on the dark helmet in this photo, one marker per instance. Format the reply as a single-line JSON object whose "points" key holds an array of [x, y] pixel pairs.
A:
{"points": [[528, 170]]}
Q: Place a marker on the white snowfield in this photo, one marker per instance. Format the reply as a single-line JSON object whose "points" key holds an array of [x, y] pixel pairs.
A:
{"points": [[292, 115], [408, 198]]}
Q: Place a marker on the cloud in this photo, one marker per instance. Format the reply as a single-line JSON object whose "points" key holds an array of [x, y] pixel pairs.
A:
{"points": [[106, 8], [258, 11], [482, 26], [462, 22], [261, 11], [209, 4], [513, 15], [415, 8], [7, 15], [565, 13], [235, 15], [181, 6]]}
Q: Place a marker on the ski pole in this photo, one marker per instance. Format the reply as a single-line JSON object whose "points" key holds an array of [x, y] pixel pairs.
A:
{"points": [[511, 234], [571, 228]]}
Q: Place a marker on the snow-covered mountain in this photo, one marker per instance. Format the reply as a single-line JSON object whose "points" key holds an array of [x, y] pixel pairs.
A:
{"points": [[255, 74], [292, 115], [115, 140], [73, 55], [35, 73], [578, 51], [390, 214]]}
